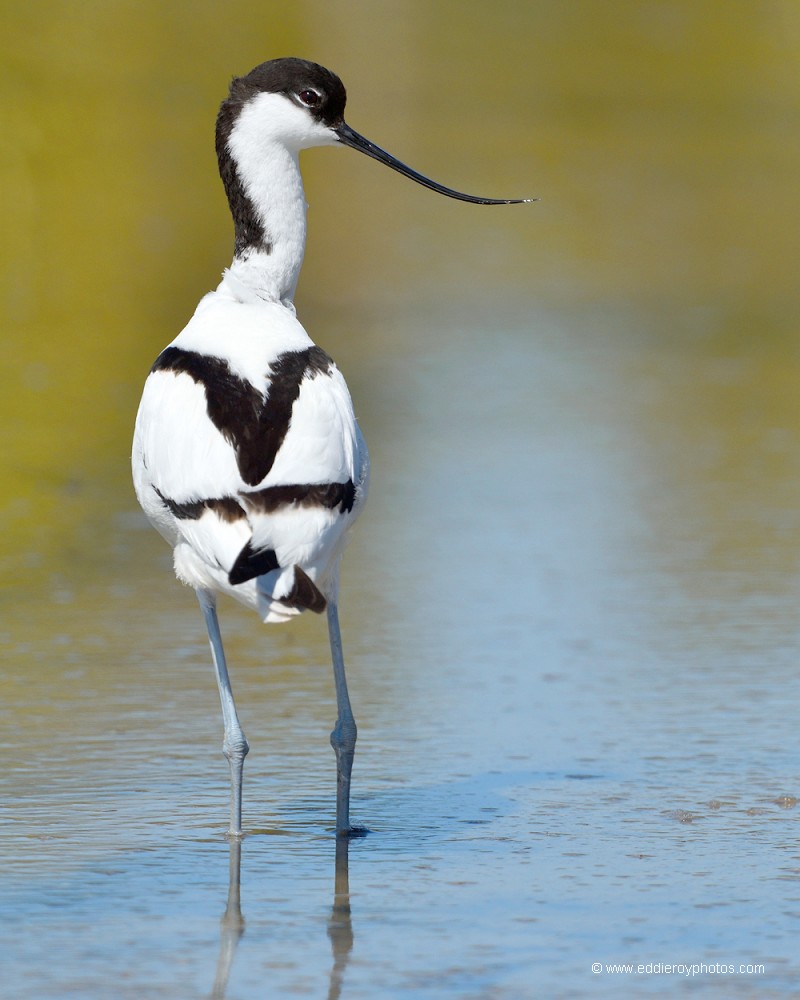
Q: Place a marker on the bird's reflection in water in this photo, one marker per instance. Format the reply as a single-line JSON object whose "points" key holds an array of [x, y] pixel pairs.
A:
{"points": [[232, 923], [340, 927]]}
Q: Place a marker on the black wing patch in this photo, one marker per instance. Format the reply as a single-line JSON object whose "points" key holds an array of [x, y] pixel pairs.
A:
{"points": [[304, 595], [254, 426], [250, 564]]}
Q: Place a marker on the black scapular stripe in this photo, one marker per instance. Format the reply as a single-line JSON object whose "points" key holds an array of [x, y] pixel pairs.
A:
{"points": [[254, 426], [225, 507], [266, 501], [328, 495]]}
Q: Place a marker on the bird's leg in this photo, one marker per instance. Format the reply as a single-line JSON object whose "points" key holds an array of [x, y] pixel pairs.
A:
{"points": [[234, 744], [343, 737]]}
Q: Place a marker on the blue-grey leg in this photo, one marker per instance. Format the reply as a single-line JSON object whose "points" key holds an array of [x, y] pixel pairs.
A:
{"points": [[234, 745], [343, 737]]}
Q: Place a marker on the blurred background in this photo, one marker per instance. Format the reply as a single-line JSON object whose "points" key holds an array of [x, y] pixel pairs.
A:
{"points": [[662, 138], [571, 607]]}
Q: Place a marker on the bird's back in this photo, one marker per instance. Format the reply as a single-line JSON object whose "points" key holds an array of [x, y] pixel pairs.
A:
{"points": [[247, 456]]}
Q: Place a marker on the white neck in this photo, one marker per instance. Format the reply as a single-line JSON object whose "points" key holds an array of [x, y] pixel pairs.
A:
{"points": [[275, 189], [269, 258]]}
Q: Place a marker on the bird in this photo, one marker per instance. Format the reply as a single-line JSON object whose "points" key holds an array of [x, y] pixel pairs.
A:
{"points": [[247, 456]]}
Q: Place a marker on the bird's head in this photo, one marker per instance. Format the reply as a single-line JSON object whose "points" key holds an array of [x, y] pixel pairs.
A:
{"points": [[299, 104]]}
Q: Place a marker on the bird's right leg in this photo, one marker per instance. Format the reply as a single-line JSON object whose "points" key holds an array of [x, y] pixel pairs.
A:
{"points": [[343, 737], [234, 744]]}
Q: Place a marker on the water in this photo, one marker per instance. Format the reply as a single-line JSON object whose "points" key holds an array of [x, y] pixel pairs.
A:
{"points": [[577, 723], [570, 611]]}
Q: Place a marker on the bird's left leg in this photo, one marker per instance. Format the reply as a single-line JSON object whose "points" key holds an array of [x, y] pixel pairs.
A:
{"points": [[234, 744], [343, 737]]}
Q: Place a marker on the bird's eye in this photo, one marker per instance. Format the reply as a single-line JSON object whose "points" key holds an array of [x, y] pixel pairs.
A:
{"points": [[310, 98]]}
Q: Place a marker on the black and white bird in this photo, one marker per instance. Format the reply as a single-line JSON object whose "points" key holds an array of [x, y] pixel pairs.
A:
{"points": [[247, 456]]}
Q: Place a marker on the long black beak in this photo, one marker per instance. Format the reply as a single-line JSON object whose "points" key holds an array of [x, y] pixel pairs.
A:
{"points": [[349, 137]]}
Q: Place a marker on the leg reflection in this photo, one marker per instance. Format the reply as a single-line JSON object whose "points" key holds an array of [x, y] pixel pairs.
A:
{"points": [[232, 923], [340, 927]]}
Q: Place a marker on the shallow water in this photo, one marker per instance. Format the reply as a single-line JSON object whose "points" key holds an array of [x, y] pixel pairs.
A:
{"points": [[577, 719]]}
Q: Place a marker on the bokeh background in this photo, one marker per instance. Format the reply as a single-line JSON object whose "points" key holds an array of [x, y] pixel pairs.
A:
{"points": [[661, 136], [581, 555]]}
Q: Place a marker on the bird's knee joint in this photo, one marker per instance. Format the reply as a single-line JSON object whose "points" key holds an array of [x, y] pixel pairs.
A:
{"points": [[236, 749], [343, 737]]}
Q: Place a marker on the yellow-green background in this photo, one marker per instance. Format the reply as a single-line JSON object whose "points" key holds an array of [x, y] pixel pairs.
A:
{"points": [[662, 137]]}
